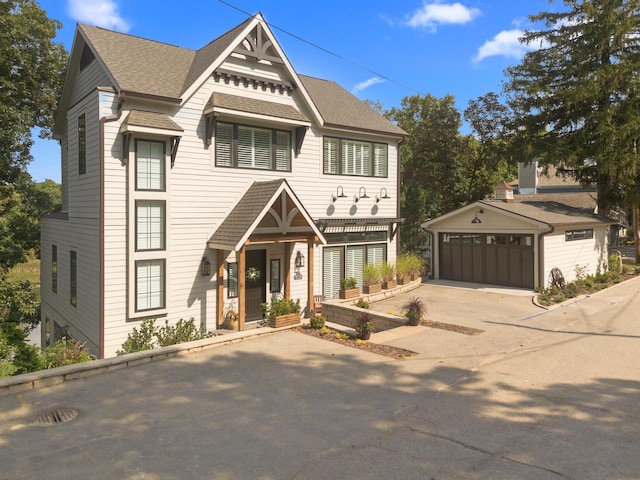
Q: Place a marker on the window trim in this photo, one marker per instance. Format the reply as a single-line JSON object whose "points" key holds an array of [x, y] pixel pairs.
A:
{"points": [[82, 144], [273, 147], [340, 162], [73, 278], [163, 228], [163, 164], [163, 263]]}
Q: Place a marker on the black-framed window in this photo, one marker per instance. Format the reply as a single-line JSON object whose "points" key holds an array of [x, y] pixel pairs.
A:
{"points": [[274, 278], [82, 145], [232, 280], [150, 225], [584, 234], [73, 278], [54, 268], [244, 146], [343, 156], [150, 285], [150, 165]]}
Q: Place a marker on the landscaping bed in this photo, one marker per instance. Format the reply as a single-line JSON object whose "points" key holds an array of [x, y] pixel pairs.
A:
{"points": [[330, 335]]}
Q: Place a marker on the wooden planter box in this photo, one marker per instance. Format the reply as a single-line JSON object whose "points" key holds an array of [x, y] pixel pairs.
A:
{"points": [[375, 288], [404, 280], [389, 285], [284, 320], [352, 293]]}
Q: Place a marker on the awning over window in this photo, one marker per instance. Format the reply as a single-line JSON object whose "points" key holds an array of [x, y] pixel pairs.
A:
{"points": [[150, 122], [233, 104], [369, 224]]}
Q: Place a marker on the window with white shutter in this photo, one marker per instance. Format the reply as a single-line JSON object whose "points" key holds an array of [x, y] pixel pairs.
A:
{"points": [[355, 261], [332, 271], [354, 157]]}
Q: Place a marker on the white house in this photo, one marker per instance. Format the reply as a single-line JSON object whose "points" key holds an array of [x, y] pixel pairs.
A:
{"points": [[517, 243], [195, 181]]}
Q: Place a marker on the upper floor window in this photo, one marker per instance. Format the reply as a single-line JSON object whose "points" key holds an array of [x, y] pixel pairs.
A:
{"points": [[54, 268], [354, 157], [150, 285], [73, 278], [242, 146], [150, 165], [82, 145], [150, 225]]}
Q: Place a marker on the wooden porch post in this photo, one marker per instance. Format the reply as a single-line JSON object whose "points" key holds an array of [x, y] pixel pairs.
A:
{"points": [[311, 303], [242, 311], [287, 270], [220, 289]]}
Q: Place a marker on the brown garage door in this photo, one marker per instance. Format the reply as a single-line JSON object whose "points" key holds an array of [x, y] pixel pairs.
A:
{"points": [[495, 259]]}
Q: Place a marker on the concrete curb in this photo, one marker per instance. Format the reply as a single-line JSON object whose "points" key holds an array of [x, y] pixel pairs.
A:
{"points": [[55, 376]]}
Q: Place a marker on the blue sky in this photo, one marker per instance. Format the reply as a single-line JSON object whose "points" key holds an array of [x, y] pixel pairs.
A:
{"points": [[378, 49]]}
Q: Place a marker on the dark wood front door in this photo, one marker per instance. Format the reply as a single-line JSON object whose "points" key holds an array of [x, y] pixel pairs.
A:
{"points": [[255, 289]]}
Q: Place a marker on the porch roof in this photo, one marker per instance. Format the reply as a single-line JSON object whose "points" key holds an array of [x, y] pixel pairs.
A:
{"points": [[246, 215]]}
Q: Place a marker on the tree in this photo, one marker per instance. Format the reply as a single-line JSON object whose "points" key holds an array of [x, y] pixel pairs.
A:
{"points": [[31, 76], [576, 97]]}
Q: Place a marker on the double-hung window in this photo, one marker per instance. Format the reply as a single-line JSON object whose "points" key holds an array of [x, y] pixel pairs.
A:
{"points": [[243, 146], [354, 157], [150, 285], [82, 145], [73, 278], [150, 224], [150, 165]]}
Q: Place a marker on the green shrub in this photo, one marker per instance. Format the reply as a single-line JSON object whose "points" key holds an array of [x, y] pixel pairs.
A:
{"points": [[371, 274], [362, 303], [317, 321], [388, 271], [65, 352], [280, 306], [348, 283], [615, 262], [183, 331], [140, 339]]}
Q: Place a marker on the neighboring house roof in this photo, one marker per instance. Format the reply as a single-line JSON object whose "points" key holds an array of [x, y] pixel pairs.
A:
{"points": [[236, 228], [139, 118], [250, 105], [554, 214], [341, 109], [585, 201]]}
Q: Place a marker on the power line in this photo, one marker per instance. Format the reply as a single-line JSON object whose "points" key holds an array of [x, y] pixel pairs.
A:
{"points": [[329, 52]]}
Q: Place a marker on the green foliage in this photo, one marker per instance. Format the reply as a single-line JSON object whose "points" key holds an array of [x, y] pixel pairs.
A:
{"points": [[31, 78], [364, 324], [348, 283], [574, 96], [65, 352], [342, 336], [148, 336], [409, 264], [139, 339], [362, 303], [371, 274], [280, 306], [615, 263], [583, 285], [317, 321], [388, 271]]}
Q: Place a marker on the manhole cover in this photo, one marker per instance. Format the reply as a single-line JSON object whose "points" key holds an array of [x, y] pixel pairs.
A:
{"points": [[56, 417]]}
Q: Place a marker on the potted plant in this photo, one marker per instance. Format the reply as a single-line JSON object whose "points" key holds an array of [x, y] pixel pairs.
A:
{"points": [[371, 278], [317, 321], [414, 310], [415, 266], [282, 312], [348, 288], [403, 269], [388, 272], [364, 325], [230, 318]]}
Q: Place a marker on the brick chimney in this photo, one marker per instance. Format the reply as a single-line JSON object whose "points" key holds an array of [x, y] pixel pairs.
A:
{"points": [[503, 191]]}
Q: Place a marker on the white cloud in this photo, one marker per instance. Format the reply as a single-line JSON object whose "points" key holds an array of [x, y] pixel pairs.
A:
{"points": [[366, 84], [103, 13], [504, 44], [437, 13]]}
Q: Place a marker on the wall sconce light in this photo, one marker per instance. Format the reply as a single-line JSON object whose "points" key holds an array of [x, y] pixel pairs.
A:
{"points": [[362, 193], [381, 196], [476, 219], [299, 263], [339, 194], [205, 267]]}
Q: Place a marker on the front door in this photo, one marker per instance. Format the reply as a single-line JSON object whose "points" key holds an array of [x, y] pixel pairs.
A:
{"points": [[255, 283]]}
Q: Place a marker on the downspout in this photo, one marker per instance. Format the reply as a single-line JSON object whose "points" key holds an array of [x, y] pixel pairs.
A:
{"points": [[103, 120], [541, 282], [399, 193]]}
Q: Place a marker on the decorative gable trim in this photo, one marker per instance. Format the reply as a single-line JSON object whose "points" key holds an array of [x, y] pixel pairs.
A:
{"points": [[259, 46]]}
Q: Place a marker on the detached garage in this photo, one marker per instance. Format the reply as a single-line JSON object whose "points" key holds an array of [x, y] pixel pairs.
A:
{"points": [[517, 244]]}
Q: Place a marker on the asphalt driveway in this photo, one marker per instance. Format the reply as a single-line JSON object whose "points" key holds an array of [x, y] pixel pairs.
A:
{"points": [[539, 395]]}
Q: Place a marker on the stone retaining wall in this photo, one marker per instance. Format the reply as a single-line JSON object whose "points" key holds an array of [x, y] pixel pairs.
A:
{"points": [[347, 314]]}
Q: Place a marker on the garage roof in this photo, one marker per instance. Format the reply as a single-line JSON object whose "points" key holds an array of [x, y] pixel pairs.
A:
{"points": [[554, 214]]}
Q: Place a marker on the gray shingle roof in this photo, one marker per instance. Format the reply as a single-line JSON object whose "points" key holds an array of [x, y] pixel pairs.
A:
{"points": [[140, 118], [341, 109], [551, 213], [251, 105]]}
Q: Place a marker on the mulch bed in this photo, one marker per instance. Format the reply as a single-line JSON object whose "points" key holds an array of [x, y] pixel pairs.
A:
{"points": [[452, 328], [385, 350]]}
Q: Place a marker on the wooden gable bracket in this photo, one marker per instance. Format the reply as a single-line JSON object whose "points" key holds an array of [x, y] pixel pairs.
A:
{"points": [[126, 142], [259, 44], [300, 133], [210, 122], [393, 228], [175, 141]]}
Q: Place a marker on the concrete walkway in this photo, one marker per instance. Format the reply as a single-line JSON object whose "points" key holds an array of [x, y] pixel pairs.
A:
{"points": [[537, 395]]}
